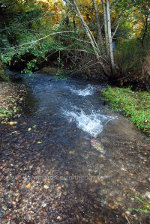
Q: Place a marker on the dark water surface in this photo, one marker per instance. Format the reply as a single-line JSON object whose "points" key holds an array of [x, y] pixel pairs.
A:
{"points": [[70, 159]]}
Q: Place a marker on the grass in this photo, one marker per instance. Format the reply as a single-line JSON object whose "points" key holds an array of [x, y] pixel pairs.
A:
{"points": [[144, 205], [135, 105]]}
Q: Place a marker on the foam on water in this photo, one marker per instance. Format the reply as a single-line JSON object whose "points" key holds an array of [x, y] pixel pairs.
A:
{"points": [[92, 124], [89, 90]]}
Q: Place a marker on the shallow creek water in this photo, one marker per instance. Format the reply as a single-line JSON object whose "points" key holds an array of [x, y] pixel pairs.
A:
{"points": [[70, 159]]}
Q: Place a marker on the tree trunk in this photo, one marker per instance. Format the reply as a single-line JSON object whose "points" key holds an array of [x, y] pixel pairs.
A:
{"points": [[109, 36], [88, 32], [74, 24], [105, 26], [100, 38], [101, 59], [145, 30]]}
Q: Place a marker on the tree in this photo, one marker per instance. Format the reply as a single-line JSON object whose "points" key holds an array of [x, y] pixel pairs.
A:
{"points": [[100, 38], [105, 60], [108, 33]]}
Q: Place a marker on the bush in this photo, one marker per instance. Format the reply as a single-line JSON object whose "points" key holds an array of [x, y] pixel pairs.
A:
{"points": [[130, 57]]}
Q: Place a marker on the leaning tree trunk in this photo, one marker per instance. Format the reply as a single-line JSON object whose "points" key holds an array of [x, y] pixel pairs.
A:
{"points": [[105, 64], [88, 32], [102, 61], [100, 38]]}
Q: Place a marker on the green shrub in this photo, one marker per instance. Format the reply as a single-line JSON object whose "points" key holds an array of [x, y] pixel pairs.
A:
{"points": [[130, 55]]}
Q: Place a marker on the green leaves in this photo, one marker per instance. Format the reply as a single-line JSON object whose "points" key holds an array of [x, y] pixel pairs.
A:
{"points": [[144, 205], [19, 33], [5, 112]]}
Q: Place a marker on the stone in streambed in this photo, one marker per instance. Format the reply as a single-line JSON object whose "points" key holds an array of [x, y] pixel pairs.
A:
{"points": [[147, 195]]}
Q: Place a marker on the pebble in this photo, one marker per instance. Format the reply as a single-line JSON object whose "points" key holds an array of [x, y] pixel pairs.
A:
{"points": [[44, 205], [4, 208], [59, 218], [128, 212], [46, 186], [147, 195]]}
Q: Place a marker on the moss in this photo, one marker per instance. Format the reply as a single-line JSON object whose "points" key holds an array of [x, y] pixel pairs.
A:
{"points": [[135, 105]]}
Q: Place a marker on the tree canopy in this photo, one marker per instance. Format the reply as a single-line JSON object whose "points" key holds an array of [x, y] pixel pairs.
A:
{"points": [[32, 31]]}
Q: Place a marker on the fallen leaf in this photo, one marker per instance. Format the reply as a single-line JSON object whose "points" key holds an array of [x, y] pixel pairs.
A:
{"points": [[28, 186], [12, 122]]}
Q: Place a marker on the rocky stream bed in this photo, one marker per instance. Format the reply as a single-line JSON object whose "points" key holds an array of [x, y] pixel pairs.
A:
{"points": [[69, 159]]}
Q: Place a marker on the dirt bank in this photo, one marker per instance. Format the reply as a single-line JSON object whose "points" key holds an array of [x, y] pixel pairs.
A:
{"points": [[11, 100]]}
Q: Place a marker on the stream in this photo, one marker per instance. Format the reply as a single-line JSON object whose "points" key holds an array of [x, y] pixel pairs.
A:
{"points": [[70, 159]]}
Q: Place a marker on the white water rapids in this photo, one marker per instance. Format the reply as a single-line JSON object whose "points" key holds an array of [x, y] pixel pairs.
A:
{"points": [[89, 90], [75, 101], [92, 123]]}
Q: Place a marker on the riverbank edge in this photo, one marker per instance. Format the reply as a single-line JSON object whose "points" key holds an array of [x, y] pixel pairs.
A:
{"points": [[133, 104], [12, 98], [79, 73]]}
